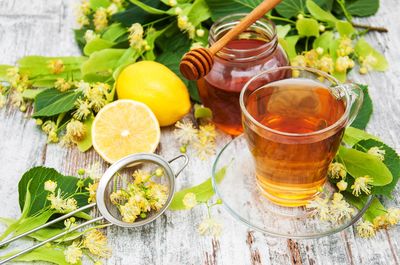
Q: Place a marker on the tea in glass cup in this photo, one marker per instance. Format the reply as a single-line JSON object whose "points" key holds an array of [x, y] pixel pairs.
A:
{"points": [[293, 127]]}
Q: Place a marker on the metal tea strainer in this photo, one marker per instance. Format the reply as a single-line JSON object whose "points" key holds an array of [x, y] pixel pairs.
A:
{"points": [[109, 182]]}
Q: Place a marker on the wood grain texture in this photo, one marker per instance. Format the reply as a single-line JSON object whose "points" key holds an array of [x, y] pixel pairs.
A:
{"points": [[44, 27]]}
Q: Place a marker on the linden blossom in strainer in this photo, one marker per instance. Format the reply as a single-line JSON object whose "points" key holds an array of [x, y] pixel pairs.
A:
{"points": [[107, 185]]}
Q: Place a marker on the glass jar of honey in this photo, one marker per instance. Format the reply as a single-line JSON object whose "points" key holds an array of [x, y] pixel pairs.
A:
{"points": [[253, 51]]}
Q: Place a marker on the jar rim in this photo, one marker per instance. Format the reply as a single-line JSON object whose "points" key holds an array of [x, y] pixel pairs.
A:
{"points": [[263, 24]]}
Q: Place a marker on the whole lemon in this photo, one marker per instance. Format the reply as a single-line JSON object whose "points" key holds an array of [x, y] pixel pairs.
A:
{"points": [[158, 87]]}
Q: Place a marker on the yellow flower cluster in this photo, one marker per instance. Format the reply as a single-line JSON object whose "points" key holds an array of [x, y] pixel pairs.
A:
{"points": [[210, 227], [75, 132], [186, 26], [336, 210], [203, 139], [368, 229], [136, 41], [367, 63], [56, 66], [361, 184], [320, 59], [94, 241], [17, 84], [95, 96], [378, 152], [140, 196], [100, 15], [57, 202]]}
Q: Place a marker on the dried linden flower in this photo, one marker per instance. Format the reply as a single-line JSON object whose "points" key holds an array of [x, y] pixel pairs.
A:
{"points": [[365, 229], [100, 19], [340, 209], [321, 208], [337, 170], [90, 35], [393, 216], [83, 109], [56, 66], [361, 184], [92, 188], [185, 132], [210, 227], [73, 253], [136, 33], [96, 242], [140, 197], [50, 186], [376, 151], [185, 25], [189, 200], [342, 185], [200, 32], [76, 130], [62, 85]]}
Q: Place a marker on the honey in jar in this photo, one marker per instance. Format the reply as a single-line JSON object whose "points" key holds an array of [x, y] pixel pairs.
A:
{"points": [[255, 50]]}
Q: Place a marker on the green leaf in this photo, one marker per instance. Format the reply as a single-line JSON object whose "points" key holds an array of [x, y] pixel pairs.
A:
{"points": [[291, 8], [220, 8], [318, 13], [3, 71], [375, 209], [364, 49], [130, 56], [392, 162], [96, 4], [39, 175], [52, 253], [345, 28], [86, 142], [199, 12], [52, 102], [151, 37], [147, 8], [359, 164], [114, 32], [362, 8], [353, 135], [97, 45], [203, 191], [365, 112], [39, 65], [32, 93], [289, 45], [135, 14], [324, 41], [202, 112], [282, 31], [101, 64], [32, 222], [307, 27]]}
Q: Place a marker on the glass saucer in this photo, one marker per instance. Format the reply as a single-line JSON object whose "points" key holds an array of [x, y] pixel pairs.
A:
{"points": [[244, 201]]}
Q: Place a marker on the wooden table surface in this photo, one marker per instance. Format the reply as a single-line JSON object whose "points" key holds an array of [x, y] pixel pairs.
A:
{"points": [[44, 27]]}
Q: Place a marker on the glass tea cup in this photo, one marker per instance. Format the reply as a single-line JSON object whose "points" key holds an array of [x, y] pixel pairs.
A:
{"points": [[294, 119]]}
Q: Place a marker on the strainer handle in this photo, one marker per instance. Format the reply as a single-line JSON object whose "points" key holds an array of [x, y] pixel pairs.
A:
{"points": [[63, 217], [184, 164], [51, 239]]}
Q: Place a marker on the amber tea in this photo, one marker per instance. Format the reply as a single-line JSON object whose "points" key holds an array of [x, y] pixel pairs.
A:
{"points": [[291, 159]]}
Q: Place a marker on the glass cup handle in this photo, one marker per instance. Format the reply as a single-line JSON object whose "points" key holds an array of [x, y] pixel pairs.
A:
{"points": [[356, 95]]}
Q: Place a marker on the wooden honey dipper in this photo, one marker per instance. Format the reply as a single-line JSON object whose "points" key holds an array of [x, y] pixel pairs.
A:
{"points": [[198, 62]]}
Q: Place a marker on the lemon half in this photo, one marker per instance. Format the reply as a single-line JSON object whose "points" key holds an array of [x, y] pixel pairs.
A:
{"points": [[125, 127]]}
